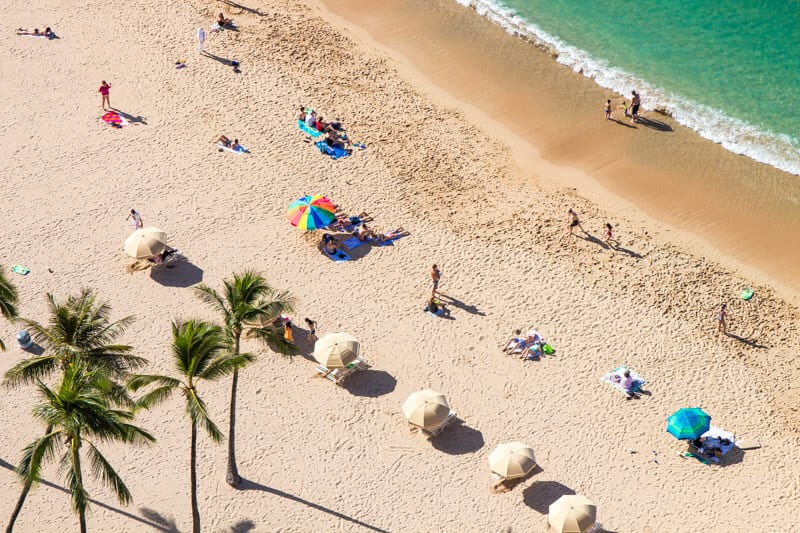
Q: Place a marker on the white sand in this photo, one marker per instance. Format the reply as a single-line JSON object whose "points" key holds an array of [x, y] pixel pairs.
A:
{"points": [[322, 458]]}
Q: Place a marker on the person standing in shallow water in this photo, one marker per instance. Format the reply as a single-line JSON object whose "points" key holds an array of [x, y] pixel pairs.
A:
{"points": [[608, 109]]}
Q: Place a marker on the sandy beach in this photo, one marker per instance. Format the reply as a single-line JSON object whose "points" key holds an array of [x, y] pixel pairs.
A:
{"points": [[484, 201]]}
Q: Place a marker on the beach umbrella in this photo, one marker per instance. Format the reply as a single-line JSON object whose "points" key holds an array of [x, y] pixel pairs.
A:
{"points": [[426, 408], [311, 212], [572, 514], [336, 350], [688, 423], [145, 242], [512, 460]]}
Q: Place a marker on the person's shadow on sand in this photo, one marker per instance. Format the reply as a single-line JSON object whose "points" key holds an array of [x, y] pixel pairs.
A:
{"points": [[138, 119], [623, 123], [458, 304]]}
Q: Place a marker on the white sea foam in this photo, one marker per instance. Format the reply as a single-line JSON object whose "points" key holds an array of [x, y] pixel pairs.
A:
{"points": [[778, 150]]}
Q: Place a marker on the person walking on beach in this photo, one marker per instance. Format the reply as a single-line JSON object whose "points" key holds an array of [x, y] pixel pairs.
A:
{"points": [[635, 102], [104, 90], [608, 109], [572, 221], [436, 275], [136, 219], [610, 240], [721, 316], [312, 330], [201, 38]]}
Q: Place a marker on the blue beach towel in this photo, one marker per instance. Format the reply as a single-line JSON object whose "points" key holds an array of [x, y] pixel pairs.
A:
{"points": [[388, 242], [332, 151], [339, 257], [353, 243], [311, 131]]}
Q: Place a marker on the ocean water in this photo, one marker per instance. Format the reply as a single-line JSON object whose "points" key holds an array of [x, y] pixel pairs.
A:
{"points": [[729, 70]]}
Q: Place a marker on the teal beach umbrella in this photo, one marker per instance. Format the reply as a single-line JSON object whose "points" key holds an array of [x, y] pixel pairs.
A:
{"points": [[688, 423]]}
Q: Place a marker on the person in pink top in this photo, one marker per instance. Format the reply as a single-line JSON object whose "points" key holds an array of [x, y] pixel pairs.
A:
{"points": [[104, 90]]}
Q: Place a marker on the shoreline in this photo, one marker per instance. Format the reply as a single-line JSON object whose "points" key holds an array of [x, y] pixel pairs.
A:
{"points": [[742, 212]]}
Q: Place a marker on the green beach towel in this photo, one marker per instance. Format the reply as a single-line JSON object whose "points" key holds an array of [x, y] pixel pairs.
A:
{"points": [[747, 293]]}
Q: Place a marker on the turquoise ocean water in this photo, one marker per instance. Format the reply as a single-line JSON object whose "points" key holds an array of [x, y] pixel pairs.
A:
{"points": [[729, 70]]}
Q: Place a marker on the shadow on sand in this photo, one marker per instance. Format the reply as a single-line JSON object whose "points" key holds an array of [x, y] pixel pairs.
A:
{"points": [[458, 439], [654, 124], [541, 494], [181, 274], [243, 9], [370, 383], [251, 485], [138, 119], [150, 517], [458, 304], [751, 342]]}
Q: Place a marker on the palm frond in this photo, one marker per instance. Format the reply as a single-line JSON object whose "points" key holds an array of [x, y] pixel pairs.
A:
{"points": [[79, 496], [103, 470], [272, 336], [8, 297], [225, 365], [198, 414], [211, 298], [35, 454], [195, 343], [30, 370], [154, 397]]}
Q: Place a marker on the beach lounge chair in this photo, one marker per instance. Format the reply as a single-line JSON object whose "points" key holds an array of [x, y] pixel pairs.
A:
{"points": [[339, 375], [438, 429]]}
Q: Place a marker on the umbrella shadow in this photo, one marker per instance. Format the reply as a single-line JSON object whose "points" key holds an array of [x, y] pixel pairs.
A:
{"points": [[458, 439], [354, 253], [243, 526], [149, 517], [507, 485], [34, 349], [138, 119], [541, 494], [458, 304], [181, 274], [252, 485], [370, 383]]}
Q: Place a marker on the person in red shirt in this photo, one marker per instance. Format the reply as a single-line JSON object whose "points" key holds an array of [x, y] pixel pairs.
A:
{"points": [[104, 90]]}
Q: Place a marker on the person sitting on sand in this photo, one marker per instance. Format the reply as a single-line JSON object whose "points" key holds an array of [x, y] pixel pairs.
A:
{"points": [[235, 145], [626, 382], [222, 21], [364, 233], [311, 119], [334, 140], [532, 351], [302, 116], [330, 244], [516, 341], [436, 307], [320, 124]]}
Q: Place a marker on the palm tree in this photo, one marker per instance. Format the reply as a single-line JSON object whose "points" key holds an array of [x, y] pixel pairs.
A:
{"points": [[201, 352], [248, 305], [80, 412], [8, 301], [78, 330]]}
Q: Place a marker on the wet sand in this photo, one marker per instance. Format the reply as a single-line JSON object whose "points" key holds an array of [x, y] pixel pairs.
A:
{"points": [[722, 204]]}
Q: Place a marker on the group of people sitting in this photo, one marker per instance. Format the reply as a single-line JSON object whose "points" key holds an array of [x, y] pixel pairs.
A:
{"points": [[334, 132], [529, 347], [36, 33], [436, 307]]}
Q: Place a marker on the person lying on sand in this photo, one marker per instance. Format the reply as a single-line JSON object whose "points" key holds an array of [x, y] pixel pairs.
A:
{"points": [[344, 221], [532, 351], [222, 21], [36, 33], [233, 145], [516, 341], [364, 233]]}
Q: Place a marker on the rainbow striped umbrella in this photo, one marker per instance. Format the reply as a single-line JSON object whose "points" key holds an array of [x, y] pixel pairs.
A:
{"points": [[311, 212], [688, 423]]}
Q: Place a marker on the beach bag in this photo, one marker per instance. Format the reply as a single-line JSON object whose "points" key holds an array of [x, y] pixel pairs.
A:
{"points": [[548, 349]]}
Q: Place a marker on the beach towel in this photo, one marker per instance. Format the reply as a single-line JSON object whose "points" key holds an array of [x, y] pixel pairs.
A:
{"points": [[332, 151], [239, 151], [114, 118], [353, 243], [19, 269], [614, 378], [308, 129], [338, 257]]}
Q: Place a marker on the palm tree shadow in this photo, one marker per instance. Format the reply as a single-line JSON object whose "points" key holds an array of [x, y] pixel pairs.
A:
{"points": [[244, 8], [753, 343], [458, 304], [370, 383], [150, 518], [541, 494], [180, 274], [251, 485]]}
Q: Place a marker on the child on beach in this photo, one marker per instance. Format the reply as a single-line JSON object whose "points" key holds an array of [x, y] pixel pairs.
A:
{"points": [[610, 240], [104, 90], [608, 109], [624, 107]]}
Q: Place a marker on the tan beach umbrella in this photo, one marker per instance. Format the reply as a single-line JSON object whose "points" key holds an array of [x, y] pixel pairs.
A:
{"points": [[426, 408], [145, 242], [512, 460], [572, 514], [336, 350]]}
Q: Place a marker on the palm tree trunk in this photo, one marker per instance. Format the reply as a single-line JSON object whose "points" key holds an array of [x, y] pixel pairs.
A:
{"points": [[21, 501], [76, 465], [232, 477], [193, 469]]}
